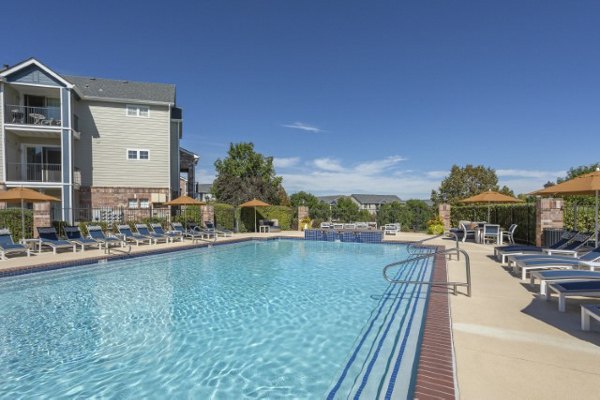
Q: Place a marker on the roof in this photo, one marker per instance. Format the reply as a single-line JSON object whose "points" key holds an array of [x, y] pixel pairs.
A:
{"points": [[375, 198], [122, 89], [204, 187], [330, 199]]}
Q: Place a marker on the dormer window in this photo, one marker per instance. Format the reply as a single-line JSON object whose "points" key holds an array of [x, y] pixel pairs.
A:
{"points": [[133, 110]]}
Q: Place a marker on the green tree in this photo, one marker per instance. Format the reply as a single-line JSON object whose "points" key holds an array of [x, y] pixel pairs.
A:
{"points": [[394, 212], [467, 181], [420, 213], [576, 171], [345, 210], [317, 209], [245, 174]]}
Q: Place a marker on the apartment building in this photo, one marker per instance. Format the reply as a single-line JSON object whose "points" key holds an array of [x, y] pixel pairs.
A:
{"points": [[91, 142]]}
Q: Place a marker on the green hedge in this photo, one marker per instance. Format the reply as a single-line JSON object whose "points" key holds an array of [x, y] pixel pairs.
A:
{"points": [[586, 217], [10, 219], [285, 216], [224, 216], [502, 214]]}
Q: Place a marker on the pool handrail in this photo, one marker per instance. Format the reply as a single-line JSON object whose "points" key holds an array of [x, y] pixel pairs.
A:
{"points": [[434, 283]]}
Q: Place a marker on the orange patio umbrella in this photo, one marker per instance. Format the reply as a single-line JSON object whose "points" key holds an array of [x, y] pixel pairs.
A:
{"points": [[24, 195], [490, 197], [185, 201], [587, 184], [255, 203]]}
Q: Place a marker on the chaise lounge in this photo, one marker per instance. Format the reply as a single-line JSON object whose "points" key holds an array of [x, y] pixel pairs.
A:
{"points": [[49, 237], [8, 246], [130, 236], [569, 289], [74, 236]]}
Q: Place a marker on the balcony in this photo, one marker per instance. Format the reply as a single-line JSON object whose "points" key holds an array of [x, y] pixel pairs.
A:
{"points": [[39, 116], [33, 172]]}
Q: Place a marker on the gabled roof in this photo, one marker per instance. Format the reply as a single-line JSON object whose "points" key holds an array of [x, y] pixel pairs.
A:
{"points": [[110, 89], [330, 199], [33, 62], [375, 198]]}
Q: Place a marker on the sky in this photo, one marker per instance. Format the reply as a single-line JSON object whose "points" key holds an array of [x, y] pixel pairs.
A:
{"points": [[379, 97]]}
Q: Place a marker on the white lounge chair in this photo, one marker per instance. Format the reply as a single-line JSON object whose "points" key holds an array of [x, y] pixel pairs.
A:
{"points": [[569, 289], [8, 246]]}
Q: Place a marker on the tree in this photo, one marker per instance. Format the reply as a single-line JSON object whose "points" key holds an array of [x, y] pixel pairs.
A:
{"points": [[317, 209], [466, 182], [576, 171], [345, 210], [421, 212], [245, 174], [394, 212]]}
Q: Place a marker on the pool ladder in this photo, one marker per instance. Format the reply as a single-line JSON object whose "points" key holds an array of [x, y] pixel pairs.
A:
{"points": [[418, 246]]}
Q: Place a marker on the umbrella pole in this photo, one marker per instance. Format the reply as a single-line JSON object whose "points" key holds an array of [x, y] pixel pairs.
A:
{"points": [[596, 230], [254, 219], [23, 221], [489, 210]]}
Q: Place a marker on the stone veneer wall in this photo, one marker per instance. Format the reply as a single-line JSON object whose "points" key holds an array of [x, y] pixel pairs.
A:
{"points": [[549, 214], [98, 197], [41, 216], [444, 212], [207, 213], [302, 213]]}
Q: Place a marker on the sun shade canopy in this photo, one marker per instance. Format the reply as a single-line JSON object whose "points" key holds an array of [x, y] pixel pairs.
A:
{"points": [[184, 201], [26, 195], [491, 197], [255, 203], [586, 184]]}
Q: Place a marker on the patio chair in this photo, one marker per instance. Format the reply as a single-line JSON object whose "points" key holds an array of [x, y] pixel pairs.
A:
{"points": [[49, 237], [145, 231], [187, 233], [466, 232], [95, 233], [391, 229], [350, 226], [510, 233], [589, 311], [589, 288], [157, 228], [557, 276], [130, 236], [206, 233], [589, 259], [338, 226], [362, 225], [504, 251], [571, 249], [8, 246], [218, 231], [491, 231], [74, 236], [325, 225]]}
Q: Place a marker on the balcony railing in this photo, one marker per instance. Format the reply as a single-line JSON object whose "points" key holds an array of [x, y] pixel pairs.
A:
{"points": [[44, 116], [33, 172]]}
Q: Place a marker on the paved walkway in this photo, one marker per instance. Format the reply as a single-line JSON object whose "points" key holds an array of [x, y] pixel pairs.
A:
{"points": [[508, 343]]}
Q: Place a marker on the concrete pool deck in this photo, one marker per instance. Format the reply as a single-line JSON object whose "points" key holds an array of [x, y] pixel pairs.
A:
{"points": [[508, 342]]}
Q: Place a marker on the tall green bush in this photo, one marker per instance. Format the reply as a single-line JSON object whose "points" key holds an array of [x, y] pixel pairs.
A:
{"points": [[283, 214], [224, 215], [10, 218]]}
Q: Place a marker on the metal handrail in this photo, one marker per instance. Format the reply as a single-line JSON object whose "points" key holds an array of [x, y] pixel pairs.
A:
{"points": [[433, 283], [419, 243]]}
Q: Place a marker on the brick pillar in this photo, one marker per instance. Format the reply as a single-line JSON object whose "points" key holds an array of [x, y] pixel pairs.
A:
{"points": [[548, 214], [302, 213], [444, 211], [41, 216], [207, 213]]}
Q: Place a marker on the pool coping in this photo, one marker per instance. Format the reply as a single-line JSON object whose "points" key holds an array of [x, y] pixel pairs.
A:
{"points": [[436, 372]]}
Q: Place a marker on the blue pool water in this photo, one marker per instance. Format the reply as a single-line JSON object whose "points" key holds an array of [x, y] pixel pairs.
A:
{"points": [[277, 319]]}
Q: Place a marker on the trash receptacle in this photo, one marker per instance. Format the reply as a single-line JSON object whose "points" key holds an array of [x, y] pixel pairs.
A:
{"points": [[551, 236]]}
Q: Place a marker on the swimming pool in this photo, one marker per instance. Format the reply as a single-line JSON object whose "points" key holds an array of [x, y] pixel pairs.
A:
{"points": [[273, 319]]}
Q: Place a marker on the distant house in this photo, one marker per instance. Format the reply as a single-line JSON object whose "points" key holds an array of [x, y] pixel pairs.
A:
{"points": [[330, 199], [372, 202], [203, 192]]}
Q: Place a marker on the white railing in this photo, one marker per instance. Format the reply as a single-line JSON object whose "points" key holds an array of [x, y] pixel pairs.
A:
{"points": [[33, 172], [48, 116]]}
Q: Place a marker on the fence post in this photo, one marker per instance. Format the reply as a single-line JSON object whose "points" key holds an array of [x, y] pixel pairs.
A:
{"points": [[549, 214], [207, 214]]}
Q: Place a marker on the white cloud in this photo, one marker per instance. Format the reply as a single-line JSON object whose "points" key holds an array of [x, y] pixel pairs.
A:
{"points": [[328, 164], [304, 127], [437, 174], [378, 166], [285, 162]]}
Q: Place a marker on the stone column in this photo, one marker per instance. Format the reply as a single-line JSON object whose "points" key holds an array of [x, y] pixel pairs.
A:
{"points": [[444, 211], [548, 214], [41, 216], [302, 213], [207, 213]]}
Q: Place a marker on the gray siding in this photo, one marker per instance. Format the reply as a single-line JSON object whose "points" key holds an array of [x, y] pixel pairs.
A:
{"points": [[174, 157], [32, 74], [112, 133]]}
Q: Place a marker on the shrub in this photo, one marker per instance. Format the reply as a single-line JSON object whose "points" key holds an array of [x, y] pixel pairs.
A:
{"points": [[10, 218], [224, 216], [435, 226]]}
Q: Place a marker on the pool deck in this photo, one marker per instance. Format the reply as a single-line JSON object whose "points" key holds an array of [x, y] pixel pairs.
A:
{"points": [[508, 343]]}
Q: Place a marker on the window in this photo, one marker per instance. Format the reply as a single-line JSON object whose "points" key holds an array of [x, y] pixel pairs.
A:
{"points": [[144, 203], [135, 154], [132, 110], [132, 203]]}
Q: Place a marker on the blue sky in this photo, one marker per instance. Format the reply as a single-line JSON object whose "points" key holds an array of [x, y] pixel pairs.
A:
{"points": [[350, 96]]}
